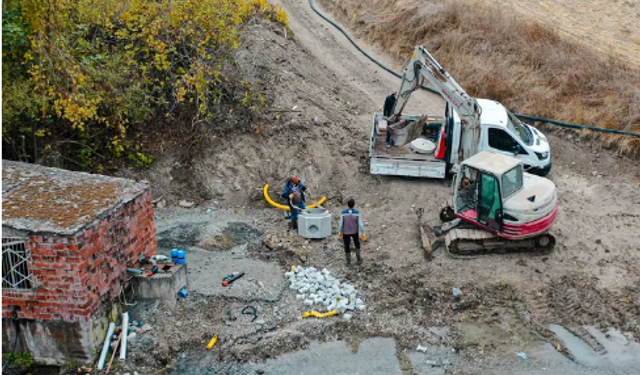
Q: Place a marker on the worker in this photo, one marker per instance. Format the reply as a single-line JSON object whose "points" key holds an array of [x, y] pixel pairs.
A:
{"points": [[389, 104], [297, 205], [350, 226], [293, 182]]}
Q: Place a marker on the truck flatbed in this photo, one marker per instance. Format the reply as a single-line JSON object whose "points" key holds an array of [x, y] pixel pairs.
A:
{"points": [[402, 160], [402, 152]]}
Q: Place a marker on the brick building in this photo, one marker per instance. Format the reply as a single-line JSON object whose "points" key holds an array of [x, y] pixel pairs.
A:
{"points": [[67, 239]]}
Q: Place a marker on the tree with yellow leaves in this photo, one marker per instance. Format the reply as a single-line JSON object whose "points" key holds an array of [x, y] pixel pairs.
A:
{"points": [[86, 77]]}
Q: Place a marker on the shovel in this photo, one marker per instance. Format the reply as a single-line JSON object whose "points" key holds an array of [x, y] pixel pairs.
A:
{"points": [[316, 202]]}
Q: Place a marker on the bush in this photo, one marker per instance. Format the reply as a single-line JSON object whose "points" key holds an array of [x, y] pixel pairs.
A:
{"points": [[23, 360], [88, 78]]}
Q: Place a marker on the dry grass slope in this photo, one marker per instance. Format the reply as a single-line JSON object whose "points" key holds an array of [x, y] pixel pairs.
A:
{"points": [[493, 54]]}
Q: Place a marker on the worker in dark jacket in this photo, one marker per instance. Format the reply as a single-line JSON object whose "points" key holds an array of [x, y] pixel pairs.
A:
{"points": [[389, 104], [297, 205], [293, 182], [351, 226]]}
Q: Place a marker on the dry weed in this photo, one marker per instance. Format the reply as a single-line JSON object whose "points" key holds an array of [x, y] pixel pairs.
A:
{"points": [[493, 54]]}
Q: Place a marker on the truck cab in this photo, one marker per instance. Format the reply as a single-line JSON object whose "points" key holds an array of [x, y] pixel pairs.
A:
{"points": [[502, 132]]}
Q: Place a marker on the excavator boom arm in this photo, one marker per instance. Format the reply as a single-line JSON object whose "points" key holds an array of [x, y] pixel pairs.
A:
{"points": [[423, 65]]}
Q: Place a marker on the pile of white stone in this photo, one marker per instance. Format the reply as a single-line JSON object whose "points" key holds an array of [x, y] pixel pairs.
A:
{"points": [[319, 288]]}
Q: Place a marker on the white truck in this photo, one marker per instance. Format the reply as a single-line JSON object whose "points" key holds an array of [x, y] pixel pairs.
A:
{"points": [[466, 121]]}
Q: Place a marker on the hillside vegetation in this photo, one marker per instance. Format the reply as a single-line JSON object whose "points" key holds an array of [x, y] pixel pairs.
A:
{"points": [[89, 84], [495, 54]]}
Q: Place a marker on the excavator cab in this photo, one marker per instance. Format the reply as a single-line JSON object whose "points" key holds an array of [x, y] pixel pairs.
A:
{"points": [[496, 207], [478, 198]]}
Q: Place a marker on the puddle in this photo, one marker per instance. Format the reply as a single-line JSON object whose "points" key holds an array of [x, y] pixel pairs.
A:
{"points": [[181, 235], [46, 370], [619, 351], [581, 351], [236, 233], [204, 235], [375, 356]]}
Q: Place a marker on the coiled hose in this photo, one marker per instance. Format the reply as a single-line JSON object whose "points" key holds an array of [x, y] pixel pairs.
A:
{"points": [[534, 118]]}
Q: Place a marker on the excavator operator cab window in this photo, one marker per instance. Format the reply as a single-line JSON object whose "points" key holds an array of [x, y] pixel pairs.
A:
{"points": [[490, 207], [467, 192]]}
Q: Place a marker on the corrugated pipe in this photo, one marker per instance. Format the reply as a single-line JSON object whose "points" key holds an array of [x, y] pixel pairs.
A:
{"points": [[125, 333], [105, 347], [559, 123]]}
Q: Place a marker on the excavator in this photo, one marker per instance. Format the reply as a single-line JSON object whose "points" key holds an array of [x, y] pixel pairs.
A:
{"points": [[496, 206]]}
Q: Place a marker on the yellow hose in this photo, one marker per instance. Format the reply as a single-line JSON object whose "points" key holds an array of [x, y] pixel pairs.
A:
{"points": [[212, 342], [319, 315], [282, 206]]}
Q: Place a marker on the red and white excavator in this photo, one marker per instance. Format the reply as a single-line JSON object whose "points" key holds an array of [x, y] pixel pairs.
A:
{"points": [[496, 205]]}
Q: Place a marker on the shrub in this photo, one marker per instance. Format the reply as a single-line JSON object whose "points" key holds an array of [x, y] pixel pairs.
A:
{"points": [[85, 78]]}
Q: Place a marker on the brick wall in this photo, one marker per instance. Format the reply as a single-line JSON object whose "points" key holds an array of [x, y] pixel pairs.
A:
{"points": [[76, 275]]}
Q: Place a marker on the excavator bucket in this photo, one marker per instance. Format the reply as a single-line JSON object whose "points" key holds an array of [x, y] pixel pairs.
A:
{"points": [[429, 234]]}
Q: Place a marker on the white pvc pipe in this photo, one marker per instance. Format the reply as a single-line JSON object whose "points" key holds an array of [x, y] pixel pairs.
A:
{"points": [[105, 347], [125, 332]]}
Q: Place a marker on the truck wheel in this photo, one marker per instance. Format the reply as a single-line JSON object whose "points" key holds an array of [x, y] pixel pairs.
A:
{"points": [[447, 214]]}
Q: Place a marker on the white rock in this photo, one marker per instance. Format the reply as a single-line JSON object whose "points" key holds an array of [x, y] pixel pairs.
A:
{"points": [[308, 302], [185, 204], [347, 316], [301, 297]]}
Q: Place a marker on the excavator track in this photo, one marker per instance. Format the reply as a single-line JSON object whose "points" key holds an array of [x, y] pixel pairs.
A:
{"points": [[466, 241]]}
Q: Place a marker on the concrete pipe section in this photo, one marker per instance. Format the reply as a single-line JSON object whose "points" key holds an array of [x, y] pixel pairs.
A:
{"points": [[423, 146], [314, 224]]}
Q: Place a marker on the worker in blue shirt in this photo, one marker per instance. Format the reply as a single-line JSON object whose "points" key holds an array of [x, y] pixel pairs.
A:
{"points": [[351, 227]]}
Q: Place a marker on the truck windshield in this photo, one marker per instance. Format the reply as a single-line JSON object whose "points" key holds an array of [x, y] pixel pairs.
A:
{"points": [[519, 129]]}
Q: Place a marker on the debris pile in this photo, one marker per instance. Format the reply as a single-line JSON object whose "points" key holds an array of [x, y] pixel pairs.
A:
{"points": [[319, 288]]}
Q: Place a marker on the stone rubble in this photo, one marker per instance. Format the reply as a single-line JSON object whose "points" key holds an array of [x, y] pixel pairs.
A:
{"points": [[321, 291]]}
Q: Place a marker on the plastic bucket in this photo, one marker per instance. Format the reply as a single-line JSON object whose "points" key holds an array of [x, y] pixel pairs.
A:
{"points": [[181, 257]]}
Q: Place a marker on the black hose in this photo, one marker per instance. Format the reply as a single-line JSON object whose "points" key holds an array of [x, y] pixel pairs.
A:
{"points": [[568, 125], [565, 124], [250, 310]]}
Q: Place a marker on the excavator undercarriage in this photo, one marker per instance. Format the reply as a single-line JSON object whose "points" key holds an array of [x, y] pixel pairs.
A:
{"points": [[465, 240]]}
